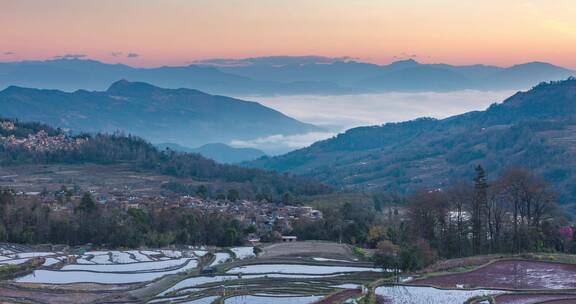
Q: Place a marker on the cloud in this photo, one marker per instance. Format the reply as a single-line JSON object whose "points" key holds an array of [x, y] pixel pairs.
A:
{"points": [[9, 53], [132, 55], [342, 112], [278, 144], [116, 54], [272, 61], [404, 55], [71, 56]]}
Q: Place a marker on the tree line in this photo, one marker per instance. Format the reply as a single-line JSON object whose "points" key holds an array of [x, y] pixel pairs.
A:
{"points": [[27, 220], [513, 213]]}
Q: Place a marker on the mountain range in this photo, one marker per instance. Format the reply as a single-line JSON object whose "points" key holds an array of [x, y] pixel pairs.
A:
{"points": [[535, 129], [281, 75], [180, 116]]}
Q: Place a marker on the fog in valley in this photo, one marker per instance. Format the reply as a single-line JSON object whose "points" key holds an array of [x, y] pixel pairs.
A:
{"points": [[341, 112]]}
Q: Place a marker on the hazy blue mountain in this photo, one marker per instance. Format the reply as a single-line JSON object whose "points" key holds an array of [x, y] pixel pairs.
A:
{"points": [[72, 74], [219, 152], [529, 73], [533, 129], [410, 75], [280, 75], [182, 116], [226, 154], [403, 75], [419, 78]]}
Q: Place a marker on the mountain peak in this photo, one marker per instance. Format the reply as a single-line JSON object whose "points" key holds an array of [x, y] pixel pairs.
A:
{"points": [[124, 87]]}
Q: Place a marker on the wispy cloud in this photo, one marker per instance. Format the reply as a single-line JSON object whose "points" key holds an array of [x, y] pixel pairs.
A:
{"points": [[71, 56], [8, 53], [116, 54], [132, 55], [278, 144]]}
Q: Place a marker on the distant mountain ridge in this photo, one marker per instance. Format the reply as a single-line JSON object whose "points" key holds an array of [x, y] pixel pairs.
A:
{"points": [[219, 152], [182, 116], [535, 129], [285, 75]]}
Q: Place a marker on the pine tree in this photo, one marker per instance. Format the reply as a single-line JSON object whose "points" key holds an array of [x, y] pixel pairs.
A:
{"points": [[478, 203]]}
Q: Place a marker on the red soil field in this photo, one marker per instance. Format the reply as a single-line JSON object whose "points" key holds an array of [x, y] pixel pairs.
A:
{"points": [[25, 295], [535, 298], [340, 296], [511, 274]]}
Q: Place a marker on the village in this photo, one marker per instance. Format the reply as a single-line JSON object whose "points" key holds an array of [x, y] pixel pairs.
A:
{"points": [[40, 141], [264, 216]]}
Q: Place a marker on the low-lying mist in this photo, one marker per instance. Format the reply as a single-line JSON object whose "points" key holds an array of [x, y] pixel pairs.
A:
{"points": [[342, 112]]}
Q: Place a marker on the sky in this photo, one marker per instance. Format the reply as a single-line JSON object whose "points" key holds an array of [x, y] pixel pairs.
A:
{"points": [[176, 32]]}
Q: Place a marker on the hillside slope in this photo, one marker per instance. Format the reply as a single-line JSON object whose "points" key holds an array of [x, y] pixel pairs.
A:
{"points": [[25, 144], [534, 129], [182, 116]]}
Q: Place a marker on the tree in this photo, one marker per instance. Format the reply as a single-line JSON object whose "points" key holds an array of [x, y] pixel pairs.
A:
{"points": [[386, 255], [87, 204], [531, 202], [233, 195], [458, 197], [479, 203], [202, 191]]}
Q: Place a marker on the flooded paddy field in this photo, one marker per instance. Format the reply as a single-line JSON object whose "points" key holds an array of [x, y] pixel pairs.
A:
{"points": [[299, 273], [511, 274], [292, 278], [507, 281], [183, 275]]}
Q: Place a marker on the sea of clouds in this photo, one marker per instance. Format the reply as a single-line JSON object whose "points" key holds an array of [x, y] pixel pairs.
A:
{"points": [[341, 112]]}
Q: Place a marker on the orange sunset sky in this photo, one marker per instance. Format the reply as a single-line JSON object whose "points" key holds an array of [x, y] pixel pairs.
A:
{"points": [[173, 32]]}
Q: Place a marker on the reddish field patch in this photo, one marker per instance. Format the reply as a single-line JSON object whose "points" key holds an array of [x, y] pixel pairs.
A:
{"points": [[535, 298], [340, 296], [511, 274], [61, 297]]}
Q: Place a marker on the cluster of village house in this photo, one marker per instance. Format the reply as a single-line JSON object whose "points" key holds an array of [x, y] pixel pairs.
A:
{"points": [[40, 141], [266, 217]]}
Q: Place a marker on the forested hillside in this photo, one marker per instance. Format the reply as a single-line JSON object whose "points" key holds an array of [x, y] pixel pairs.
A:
{"points": [[33, 143], [533, 129]]}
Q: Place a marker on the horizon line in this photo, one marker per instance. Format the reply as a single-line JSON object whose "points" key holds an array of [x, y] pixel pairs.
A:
{"points": [[199, 61]]}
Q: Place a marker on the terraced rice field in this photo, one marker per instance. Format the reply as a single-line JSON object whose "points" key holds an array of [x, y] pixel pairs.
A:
{"points": [[534, 298], [511, 274], [94, 275], [266, 299], [15, 255], [299, 281], [114, 267], [398, 294], [174, 276]]}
